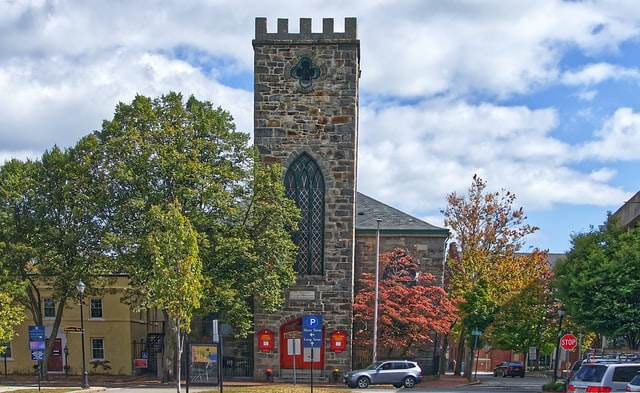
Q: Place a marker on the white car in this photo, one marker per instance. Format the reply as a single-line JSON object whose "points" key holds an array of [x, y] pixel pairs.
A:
{"points": [[603, 377], [398, 373], [634, 385]]}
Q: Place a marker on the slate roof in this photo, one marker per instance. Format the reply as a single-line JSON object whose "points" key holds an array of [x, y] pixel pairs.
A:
{"points": [[368, 210]]}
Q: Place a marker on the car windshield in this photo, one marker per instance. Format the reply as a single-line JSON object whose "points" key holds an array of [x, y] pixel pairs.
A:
{"points": [[590, 373]]}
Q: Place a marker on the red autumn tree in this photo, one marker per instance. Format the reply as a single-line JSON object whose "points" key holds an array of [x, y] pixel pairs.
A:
{"points": [[410, 308]]}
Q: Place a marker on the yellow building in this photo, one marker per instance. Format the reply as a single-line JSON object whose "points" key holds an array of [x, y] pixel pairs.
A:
{"points": [[114, 336]]}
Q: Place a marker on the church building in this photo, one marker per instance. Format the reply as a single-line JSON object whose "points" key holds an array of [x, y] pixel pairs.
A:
{"points": [[306, 119]]}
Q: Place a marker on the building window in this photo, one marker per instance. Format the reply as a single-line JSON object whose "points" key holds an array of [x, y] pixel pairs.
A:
{"points": [[97, 348], [304, 184], [49, 307], [96, 308], [7, 351]]}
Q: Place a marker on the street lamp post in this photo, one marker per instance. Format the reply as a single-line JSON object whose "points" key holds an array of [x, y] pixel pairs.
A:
{"points": [[375, 303], [85, 377], [555, 366], [66, 361]]}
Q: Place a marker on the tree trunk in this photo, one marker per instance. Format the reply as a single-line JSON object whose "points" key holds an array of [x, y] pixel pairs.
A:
{"points": [[461, 351], [168, 351], [443, 352], [179, 347]]}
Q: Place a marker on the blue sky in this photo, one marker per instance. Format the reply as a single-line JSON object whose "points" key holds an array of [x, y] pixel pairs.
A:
{"points": [[538, 97]]}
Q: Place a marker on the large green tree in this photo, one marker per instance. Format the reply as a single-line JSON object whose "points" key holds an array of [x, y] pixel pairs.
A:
{"points": [[12, 247], [174, 282], [11, 311], [53, 226], [156, 151], [524, 319], [599, 281]]}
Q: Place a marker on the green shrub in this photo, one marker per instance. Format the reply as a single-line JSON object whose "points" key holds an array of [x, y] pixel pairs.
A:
{"points": [[557, 386]]}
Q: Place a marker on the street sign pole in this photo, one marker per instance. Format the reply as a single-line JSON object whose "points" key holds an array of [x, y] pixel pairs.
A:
{"points": [[312, 337], [477, 334], [312, 367]]}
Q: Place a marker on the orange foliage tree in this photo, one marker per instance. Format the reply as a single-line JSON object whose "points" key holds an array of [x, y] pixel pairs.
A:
{"points": [[489, 235], [410, 308]]}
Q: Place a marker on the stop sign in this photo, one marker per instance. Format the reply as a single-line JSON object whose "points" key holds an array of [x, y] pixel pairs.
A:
{"points": [[568, 342]]}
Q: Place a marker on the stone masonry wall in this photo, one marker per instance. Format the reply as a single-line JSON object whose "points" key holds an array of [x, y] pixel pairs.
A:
{"points": [[320, 118]]}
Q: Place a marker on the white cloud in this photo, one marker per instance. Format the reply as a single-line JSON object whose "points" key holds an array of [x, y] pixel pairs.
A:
{"points": [[505, 89], [594, 74], [618, 139], [58, 100]]}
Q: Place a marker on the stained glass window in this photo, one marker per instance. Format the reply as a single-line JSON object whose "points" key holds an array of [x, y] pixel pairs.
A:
{"points": [[304, 184]]}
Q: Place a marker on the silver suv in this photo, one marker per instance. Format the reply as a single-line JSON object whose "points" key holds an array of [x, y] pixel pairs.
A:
{"points": [[603, 377], [398, 373]]}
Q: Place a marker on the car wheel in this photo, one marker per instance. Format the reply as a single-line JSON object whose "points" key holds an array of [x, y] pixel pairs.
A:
{"points": [[495, 374], [522, 376], [363, 382], [409, 382]]}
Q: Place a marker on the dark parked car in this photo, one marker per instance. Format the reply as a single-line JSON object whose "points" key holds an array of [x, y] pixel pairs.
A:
{"points": [[398, 373], [509, 369]]}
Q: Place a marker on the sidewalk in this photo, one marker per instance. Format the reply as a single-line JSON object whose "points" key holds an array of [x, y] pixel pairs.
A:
{"points": [[101, 383]]}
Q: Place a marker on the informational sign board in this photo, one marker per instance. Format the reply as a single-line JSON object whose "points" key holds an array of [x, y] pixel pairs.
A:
{"points": [[311, 331], [36, 337], [293, 346], [140, 363]]}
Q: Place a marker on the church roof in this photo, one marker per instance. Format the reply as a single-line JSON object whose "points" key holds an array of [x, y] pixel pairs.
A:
{"points": [[369, 210]]}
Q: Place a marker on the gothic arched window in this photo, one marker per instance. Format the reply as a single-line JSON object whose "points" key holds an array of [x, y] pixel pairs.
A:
{"points": [[304, 184]]}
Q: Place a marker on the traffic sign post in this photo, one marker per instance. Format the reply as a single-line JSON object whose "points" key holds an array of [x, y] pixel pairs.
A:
{"points": [[568, 342], [312, 336], [37, 346]]}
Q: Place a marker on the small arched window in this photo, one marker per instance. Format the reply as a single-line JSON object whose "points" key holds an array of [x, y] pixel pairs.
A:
{"points": [[304, 184]]}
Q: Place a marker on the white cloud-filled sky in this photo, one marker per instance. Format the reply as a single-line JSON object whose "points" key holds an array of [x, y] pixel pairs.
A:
{"points": [[537, 97]]}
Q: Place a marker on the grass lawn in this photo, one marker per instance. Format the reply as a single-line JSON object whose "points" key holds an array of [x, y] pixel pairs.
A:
{"points": [[44, 390], [280, 388], [273, 388]]}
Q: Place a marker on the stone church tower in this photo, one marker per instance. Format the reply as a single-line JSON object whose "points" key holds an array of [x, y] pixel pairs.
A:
{"points": [[306, 119]]}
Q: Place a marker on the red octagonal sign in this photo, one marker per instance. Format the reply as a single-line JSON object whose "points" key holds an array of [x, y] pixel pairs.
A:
{"points": [[568, 342]]}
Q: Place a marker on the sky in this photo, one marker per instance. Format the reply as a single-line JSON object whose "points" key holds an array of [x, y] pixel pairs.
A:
{"points": [[537, 97]]}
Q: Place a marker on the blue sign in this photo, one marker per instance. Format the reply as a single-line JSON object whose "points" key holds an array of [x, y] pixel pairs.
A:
{"points": [[312, 331], [36, 337], [312, 321], [37, 355]]}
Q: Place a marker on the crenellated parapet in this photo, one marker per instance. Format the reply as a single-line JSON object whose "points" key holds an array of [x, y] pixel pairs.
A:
{"points": [[328, 34]]}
